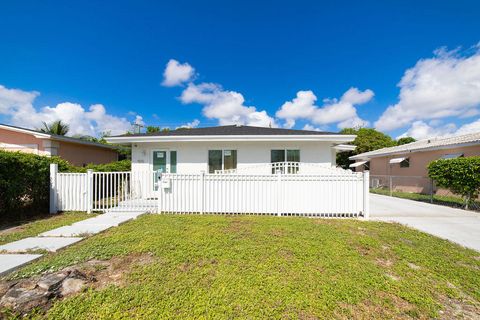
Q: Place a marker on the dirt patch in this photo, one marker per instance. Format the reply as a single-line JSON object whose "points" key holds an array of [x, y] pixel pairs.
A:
{"points": [[20, 296], [239, 227], [413, 266], [463, 308], [188, 266], [9, 230], [386, 263], [375, 309]]}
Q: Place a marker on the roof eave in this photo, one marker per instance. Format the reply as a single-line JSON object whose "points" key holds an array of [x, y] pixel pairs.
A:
{"points": [[217, 138], [366, 156]]}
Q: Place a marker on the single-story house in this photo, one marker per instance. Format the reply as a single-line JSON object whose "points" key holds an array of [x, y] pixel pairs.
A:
{"points": [[76, 151], [407, 164], [232, 147]]}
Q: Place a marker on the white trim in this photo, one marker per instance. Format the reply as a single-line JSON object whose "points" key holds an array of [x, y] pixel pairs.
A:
{"points": [[365, 156], [344, 147], [31, 132], [396, 160], [357, 164], [226, 138]]}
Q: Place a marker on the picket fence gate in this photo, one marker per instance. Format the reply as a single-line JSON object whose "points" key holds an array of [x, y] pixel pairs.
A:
{"points": [[340, 194]]}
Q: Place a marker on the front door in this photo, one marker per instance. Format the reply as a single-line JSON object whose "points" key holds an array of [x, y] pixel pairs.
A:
{"points": [[160, 160]]}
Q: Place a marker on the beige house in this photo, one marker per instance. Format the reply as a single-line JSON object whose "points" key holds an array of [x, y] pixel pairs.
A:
{"points": [[77, 152], [405, 166]]}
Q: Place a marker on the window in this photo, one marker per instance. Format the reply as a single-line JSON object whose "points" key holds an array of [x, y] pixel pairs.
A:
{"points": [[221, 160], [282, 155], [405, 163]]}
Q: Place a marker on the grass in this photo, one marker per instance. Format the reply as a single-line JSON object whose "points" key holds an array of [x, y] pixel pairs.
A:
{"points": [[226, 267], [451, 201], [33, 228]]}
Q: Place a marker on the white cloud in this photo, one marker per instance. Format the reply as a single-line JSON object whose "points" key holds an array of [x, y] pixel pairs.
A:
{"points": [[422, 130], [17, 106], [443, 86], [342, 112], [177, 73], [192, 124], [311, 128], [225, 106]]}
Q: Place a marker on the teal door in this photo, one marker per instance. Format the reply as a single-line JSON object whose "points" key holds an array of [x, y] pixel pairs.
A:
{"points": [[160, 161]]}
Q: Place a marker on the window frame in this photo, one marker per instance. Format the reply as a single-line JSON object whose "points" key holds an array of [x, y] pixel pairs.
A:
{"points": [[285, 154], [223, 158], [405, 163], [168, 160]]}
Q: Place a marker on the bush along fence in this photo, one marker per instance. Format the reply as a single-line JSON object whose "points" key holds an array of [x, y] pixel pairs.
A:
{"points": [[451, 182], [25, 183], [328, 195]]}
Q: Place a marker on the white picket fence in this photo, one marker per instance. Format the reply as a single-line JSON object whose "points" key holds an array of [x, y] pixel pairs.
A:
{"points": [[337, 194]]}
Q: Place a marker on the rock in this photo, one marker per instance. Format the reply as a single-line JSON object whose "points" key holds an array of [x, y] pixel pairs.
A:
{"points": [[71, 285], [51, 281], [23, 300]]}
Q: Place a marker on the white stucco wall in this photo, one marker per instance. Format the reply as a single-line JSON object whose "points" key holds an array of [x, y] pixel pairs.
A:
{"points": [[192, 157]]}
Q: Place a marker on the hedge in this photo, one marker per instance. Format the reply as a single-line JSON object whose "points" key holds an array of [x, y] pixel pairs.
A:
{"points": [[25, 179], [460, 175]]}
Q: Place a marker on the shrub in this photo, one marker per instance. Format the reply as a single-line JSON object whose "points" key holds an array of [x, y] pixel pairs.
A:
{"points": [[122, 165], [24, 184], [461, 176], [25, 179]]}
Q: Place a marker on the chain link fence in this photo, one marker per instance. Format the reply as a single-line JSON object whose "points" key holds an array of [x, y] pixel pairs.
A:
{"points": [[418, 188]]}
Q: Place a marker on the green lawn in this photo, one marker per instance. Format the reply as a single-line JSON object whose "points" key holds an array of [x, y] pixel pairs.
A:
{"points": [[33, 228], [226, 267]]}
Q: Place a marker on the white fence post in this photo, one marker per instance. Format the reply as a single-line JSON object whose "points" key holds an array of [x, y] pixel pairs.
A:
{"points": [[202, 192], [89, 190], [279, 181], [53, 188], [366, 194]]}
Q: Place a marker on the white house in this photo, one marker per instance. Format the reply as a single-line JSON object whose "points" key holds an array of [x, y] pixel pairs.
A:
{"points": [[224, 170], [233, 147]]}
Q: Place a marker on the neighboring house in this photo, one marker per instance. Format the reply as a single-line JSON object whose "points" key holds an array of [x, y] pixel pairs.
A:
{"points": [[76, 151], [231, 147], [407, 163]]}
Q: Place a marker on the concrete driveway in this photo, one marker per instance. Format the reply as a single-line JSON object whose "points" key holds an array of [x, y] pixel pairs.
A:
{"points": [[460, 226]]}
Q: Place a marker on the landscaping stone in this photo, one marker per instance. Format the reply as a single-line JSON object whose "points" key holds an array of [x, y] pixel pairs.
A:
{"points": [[52, 281], [21, 296], [39, 243], [71, 286]]}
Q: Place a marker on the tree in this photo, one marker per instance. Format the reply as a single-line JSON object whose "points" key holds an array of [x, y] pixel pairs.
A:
{"points": [[405, 140], [153, 129], [56, 127], [367, 139], [461, 176]]}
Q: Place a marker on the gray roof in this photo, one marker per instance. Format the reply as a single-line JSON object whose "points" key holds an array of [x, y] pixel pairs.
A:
{"points": [[423, 145], [231, 130]]}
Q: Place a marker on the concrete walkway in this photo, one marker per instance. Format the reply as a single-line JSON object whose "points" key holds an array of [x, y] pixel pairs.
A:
{"points": [[457, 225], [58, 238]]}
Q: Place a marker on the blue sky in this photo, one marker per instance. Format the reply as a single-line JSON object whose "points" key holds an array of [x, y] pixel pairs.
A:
{"points": [[58, 59]]}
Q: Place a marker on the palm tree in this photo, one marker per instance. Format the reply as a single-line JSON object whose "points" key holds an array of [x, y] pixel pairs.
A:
{"points": [[55, 127]]}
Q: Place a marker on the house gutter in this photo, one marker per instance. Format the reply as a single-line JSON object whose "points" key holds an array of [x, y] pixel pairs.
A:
{"points": [[227, 138]]}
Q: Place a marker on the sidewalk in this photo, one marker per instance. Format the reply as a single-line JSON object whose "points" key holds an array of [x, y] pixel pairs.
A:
{"points": [[18, 253]]}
